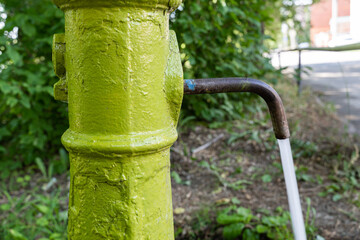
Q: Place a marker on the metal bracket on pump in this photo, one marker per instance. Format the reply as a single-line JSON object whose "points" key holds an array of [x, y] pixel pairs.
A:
{"points": [[58, 58]]}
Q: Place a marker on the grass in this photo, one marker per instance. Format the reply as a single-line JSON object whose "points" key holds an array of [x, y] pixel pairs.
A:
{"points": [[32, 208], [29, 212]]}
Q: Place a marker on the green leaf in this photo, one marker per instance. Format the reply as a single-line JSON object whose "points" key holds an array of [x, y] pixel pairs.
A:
{"points": [[42, 208], [29, 29], [176, 177], [15, 235], [228, 219], [266, 178], [41, 166], [5, 87], [337, 197], [25, 101], [56, 236], [235, 200], [204, 164], [195, 7], [5, 206], [63, 156], [13, 54], [261, 228], [63, 215], [11, 101], [43, 222], [233, 231], [250, 235], [245, 213], [353, 181], [323, 194], [19, 180]]}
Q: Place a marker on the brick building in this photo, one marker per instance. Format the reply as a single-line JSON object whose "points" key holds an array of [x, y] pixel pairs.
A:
{"points": [[335, 22]]}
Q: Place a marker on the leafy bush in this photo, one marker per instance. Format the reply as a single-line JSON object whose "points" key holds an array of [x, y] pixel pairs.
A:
{"points": [[222, 39], [31, 120], [218, 38]]}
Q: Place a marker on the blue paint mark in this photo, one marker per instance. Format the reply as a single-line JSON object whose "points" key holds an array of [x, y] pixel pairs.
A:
{"points": [[191, 84]]}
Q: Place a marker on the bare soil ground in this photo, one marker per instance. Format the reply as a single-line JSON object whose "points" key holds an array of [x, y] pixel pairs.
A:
{"points": [[202, 189], [245, 151]]}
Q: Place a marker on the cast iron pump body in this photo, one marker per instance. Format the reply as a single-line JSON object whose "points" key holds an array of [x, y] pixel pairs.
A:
{"points": [[120, 72]]}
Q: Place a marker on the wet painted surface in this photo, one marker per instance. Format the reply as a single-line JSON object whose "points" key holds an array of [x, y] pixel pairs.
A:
{"points": [[124, 88]]}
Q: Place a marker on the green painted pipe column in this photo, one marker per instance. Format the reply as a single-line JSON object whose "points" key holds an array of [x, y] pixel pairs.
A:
{"points": [[120, 72]]}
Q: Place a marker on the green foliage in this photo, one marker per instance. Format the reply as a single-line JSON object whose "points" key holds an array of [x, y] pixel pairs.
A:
{"points": [[218, 39], [266, 178], [254, 128], [239, 221], [218, 172], [311, 229], [222, 39], [345, 182], [303, 148], [33, 216], [31, 120], [302, 175], [178, 179]]}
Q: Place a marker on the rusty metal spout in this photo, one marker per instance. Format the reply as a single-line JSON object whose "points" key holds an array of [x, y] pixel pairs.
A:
{"points": [[225, 85]]}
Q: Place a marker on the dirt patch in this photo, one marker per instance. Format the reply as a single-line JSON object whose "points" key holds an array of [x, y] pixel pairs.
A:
{"points": [[242, 163], [209, 178]]}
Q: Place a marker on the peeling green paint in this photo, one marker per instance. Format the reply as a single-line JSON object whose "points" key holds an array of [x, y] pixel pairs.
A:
{"points": [[124, 85]]}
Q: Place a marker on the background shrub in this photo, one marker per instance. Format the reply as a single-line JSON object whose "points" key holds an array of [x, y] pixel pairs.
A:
{"points": [[218, 38], [31, 120], [224, 39]]}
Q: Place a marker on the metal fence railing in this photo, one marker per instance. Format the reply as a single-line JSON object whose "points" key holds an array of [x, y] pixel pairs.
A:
{"points": [[349, 47]]}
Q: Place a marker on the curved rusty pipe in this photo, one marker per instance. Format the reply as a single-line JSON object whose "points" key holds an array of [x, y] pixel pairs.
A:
{"points": [[225, 85]]}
